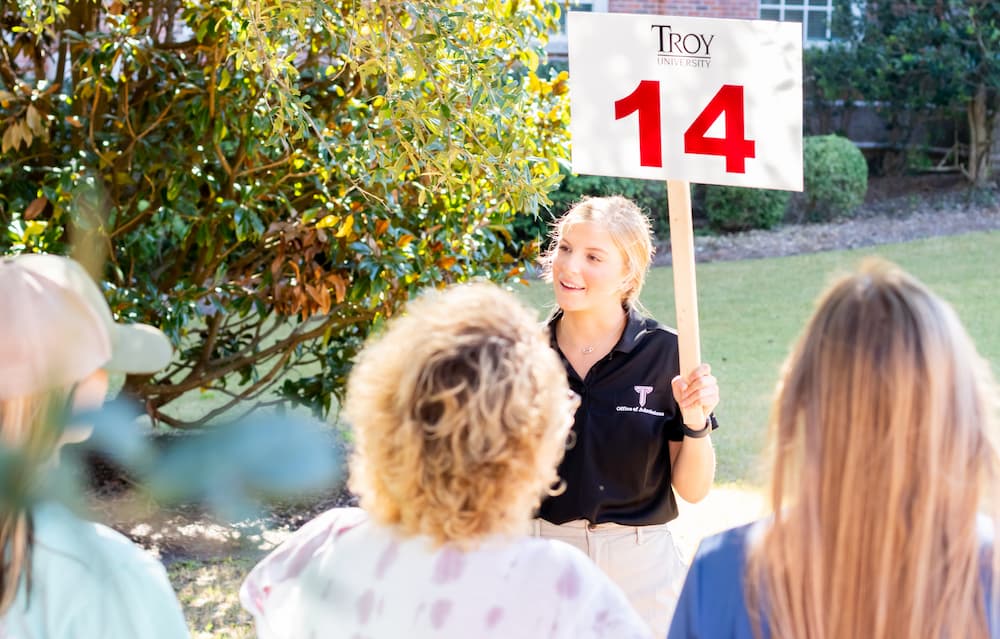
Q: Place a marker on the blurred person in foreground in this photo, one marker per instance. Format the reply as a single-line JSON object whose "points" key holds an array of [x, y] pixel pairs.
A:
{"points": [[64, 577], [885, 483], [461, 413]]}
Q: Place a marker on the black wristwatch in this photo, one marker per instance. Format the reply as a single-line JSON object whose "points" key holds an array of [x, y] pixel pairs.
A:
{"points": [[710, 425]]}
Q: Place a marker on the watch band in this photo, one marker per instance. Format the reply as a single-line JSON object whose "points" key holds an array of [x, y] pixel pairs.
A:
{"points": [[710, 424]]}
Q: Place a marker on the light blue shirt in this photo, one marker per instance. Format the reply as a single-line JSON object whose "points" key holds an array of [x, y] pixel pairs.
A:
{"points": [[90, 582]]}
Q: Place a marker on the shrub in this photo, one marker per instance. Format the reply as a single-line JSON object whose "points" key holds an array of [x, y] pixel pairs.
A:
{"points": [[836, 179], [733, 208]]}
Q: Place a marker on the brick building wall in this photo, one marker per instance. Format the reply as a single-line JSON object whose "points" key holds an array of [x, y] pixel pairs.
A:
{"points": [[745, 9]]}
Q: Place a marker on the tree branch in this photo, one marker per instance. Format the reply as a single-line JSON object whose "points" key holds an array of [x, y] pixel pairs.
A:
{"points": [[234, 363]]}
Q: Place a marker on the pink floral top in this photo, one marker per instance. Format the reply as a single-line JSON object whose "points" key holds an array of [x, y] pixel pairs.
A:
{"points": [[343, 575]]}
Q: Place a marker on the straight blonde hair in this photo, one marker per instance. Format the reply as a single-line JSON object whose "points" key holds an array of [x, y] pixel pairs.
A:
{"points": [[26, 429], [885, 449]]}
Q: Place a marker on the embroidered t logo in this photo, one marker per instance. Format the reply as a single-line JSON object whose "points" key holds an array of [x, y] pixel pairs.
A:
{"points": [[643, 391]]}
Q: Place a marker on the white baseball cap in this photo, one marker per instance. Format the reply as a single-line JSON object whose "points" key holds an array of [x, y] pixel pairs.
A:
{"points": [[56, 328]]}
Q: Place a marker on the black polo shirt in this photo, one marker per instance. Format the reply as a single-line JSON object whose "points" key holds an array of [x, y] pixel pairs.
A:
{"points": [[619, 468]]}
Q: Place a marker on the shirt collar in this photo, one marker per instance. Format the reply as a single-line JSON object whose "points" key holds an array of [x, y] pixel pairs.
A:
{"points": [[635, 328]]}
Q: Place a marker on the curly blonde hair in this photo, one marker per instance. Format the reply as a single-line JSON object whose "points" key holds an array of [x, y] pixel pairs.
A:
{"points": [[461, 412]]}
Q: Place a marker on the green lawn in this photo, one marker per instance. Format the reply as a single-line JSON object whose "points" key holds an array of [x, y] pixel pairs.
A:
{"points": [[751, 312]]}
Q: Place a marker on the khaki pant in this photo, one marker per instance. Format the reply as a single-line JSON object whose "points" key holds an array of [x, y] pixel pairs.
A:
{"points": [[642, 560]]}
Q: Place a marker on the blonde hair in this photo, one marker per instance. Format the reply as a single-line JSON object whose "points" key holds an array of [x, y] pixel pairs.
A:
{"points": [[627, 226], [461, 412], [884, 440], [27, 427]]}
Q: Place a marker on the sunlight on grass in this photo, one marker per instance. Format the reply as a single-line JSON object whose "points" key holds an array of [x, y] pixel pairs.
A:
{"points": [[209, 593], [727, 505]]}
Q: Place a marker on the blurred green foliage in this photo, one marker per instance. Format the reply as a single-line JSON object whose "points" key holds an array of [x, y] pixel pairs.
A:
{"points": [[270, 180], [235, 469]]}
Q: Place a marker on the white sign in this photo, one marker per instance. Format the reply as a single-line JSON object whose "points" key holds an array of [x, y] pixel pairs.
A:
{"points": [[697, 99]]}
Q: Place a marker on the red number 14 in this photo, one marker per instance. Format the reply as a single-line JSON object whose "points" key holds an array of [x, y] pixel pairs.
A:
{"points": [[728, 102]]}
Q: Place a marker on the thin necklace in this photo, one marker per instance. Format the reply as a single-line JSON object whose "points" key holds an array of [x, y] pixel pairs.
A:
{"points": [[587, 350]]}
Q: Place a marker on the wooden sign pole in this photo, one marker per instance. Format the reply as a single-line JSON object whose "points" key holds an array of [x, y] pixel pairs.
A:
{"points": [[685, 287]]}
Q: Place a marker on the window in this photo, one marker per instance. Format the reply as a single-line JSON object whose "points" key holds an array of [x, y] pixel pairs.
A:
{"points": [[557, 41], [816, 16]]}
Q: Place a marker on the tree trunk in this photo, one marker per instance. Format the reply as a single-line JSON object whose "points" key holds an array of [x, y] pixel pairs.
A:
{"points": [[980, 139]]}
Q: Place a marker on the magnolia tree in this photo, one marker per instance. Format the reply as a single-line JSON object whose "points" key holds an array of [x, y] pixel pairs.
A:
{"points": [[269, 179]]}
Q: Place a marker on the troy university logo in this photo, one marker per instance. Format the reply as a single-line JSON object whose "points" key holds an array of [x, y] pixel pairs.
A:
{"points": [[643, 391]]}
